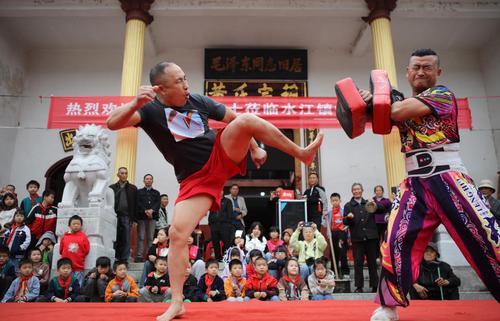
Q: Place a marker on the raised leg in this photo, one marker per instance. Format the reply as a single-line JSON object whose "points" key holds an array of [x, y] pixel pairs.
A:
{"points": [[187, 214], [237, 135]]}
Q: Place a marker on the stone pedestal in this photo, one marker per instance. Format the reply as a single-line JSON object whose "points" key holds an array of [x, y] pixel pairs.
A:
{"points": [[448, 249], [99, 224]]}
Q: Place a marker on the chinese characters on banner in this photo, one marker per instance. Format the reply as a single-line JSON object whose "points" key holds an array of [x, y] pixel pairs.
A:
{"points": [[245, 88], [256, 64], [71, 112], [284, 112]]}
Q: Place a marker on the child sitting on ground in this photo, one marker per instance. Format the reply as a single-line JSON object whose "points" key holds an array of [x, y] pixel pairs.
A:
{"points": [[277, 263], [321, 282], [273, 242], [234, 253], [253, 255], [75, 246], [158, 248], [123, 287], [65, 287], [40, 269], [18, 238], [261, 285], [46, 245], [255, 238], [286, 236], [234, 285], [7, 270], [157, 285], [210, 284], [195, 257], [26, 287], [239, 240], [190, 290], [291, 287], [97, 280], [8, 207]]}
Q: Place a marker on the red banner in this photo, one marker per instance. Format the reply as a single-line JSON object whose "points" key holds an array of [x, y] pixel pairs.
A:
{"points": [[283, 112]]}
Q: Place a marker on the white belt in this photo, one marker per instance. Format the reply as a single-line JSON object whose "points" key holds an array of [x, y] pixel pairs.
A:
{"points": [[427, 162]]}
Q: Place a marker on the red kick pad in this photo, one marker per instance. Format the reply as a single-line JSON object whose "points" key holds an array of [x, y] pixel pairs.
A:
{"points": [[381, 91], [351, 108]]}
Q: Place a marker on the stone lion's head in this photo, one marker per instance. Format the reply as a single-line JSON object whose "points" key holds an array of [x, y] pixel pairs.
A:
{"points": [[91, 140]]}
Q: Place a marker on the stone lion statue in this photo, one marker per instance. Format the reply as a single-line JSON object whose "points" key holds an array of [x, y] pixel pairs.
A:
{"points": [[87, 175]]}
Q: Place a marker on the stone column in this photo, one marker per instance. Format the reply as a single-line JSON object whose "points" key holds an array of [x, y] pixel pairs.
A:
{"points": [[383, 51], [137, 18]]}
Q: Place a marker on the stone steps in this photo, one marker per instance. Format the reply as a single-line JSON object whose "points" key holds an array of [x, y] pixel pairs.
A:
{"points": [[470, 283], [370, 296]]}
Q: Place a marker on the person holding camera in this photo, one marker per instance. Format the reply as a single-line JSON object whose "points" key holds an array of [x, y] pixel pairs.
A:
{"points": [[311, 248], [364, 236], [317, 203]]}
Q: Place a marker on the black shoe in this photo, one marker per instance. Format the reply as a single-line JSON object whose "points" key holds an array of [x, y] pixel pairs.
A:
{"points": [[374, 289], [358, 290]]}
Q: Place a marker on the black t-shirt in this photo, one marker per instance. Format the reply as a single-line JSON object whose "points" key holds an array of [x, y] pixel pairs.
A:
{"points": [[182, 134]]}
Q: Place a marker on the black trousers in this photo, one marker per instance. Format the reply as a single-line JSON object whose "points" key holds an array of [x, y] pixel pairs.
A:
{"points": [[221, 232], [94, 290], [381, 229], [360, 249], [122, 243], [339, 240], [316, 219]]}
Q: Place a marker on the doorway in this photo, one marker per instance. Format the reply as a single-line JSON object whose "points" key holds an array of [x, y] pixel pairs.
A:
{"points": [[257, 184], [54, 178]]}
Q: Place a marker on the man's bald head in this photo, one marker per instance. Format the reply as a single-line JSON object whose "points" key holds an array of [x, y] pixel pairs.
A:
{"points": [[158, 72]]}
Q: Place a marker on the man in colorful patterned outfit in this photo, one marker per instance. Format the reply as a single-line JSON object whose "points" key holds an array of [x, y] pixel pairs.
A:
{"points": [[437, 191]]}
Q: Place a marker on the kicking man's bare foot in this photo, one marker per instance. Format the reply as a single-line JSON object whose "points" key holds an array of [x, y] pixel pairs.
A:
{"points": [[175, 310], [309, 152]]}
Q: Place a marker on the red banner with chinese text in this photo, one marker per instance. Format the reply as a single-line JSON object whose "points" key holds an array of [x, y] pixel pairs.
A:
{"points": [[283, 112]]}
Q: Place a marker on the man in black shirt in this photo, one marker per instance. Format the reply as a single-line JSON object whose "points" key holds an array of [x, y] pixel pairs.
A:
{"points": [[148, 205], [221, 227], [364, 237], [177, 123], [125, 208]]}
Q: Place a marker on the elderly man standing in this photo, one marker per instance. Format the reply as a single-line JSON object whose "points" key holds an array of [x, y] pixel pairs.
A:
{"points": [[148, 205], [125, 208], [364, 236]]}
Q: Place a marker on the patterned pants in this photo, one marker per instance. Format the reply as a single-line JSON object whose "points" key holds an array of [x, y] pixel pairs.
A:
{"points": [[422, 204]]}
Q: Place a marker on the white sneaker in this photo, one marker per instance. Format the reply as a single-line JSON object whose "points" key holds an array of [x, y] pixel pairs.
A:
{"points": [[385, 314]]}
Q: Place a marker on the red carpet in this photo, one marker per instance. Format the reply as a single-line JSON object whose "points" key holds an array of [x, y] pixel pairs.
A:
{"points": [[251, 311]]}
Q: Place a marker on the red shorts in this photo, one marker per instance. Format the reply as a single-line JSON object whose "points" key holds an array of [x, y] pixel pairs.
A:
{"points": [[210, 179]]}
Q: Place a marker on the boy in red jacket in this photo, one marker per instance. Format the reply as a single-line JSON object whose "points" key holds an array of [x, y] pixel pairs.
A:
{"points": [[42, 217], [75, 246], [261, 285]]}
